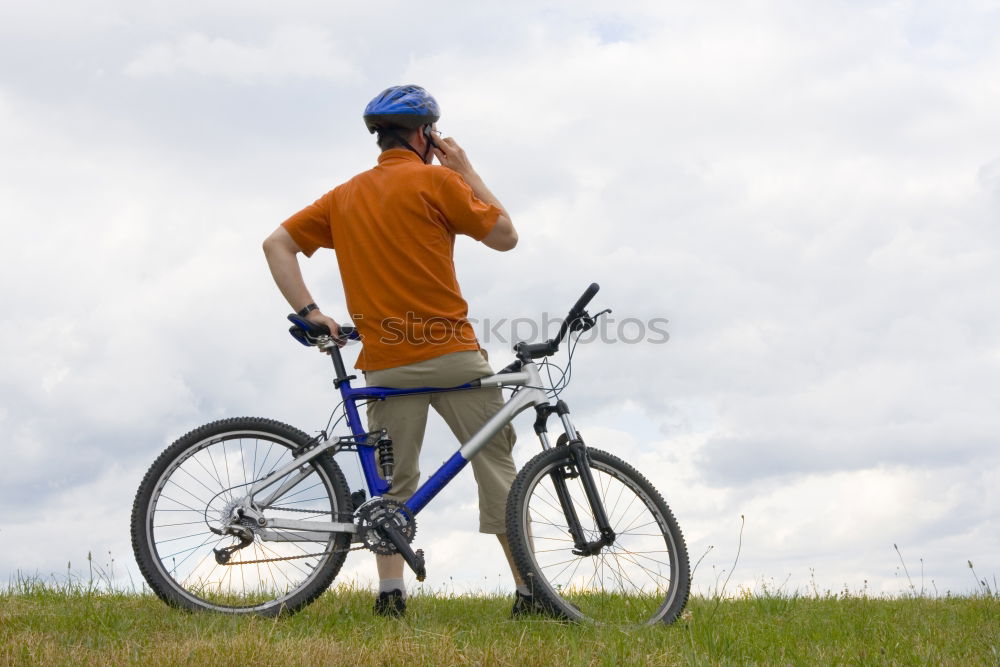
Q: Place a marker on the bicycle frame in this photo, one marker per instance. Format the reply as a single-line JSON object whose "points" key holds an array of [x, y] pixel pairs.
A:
{"points": [[523, 376], [530, 394], [213, 524]]}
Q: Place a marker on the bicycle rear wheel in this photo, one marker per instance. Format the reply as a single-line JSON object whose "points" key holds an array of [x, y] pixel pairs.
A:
{"points": [[196, 483], [642, 578]]}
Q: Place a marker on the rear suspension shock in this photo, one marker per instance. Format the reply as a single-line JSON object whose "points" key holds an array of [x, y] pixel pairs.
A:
{"points": [[386, 459]]}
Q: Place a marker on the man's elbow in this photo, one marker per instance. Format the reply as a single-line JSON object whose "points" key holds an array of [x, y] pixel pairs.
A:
{"points": [[503, 237], [269, 243], [275, 243], [511, 241]]}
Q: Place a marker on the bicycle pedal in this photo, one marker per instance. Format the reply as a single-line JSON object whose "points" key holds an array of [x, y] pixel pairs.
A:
{"points": [[420, 570]]}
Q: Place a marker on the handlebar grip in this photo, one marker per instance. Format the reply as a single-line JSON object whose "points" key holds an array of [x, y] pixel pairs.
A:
{"points": [[585, 299]]}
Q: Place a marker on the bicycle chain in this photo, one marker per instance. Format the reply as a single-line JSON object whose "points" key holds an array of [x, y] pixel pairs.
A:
{"points": [[284, 558], [281, 558]]}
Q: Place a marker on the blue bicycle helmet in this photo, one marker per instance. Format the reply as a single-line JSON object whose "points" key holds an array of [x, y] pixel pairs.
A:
{"points": [[409, 106]]}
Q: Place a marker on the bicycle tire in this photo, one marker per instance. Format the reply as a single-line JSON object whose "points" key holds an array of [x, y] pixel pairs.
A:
{"points": [[195, 481], [642, 578]]}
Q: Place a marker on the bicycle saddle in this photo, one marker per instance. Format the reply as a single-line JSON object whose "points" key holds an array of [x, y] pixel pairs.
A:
{"points": [[308, 333]]}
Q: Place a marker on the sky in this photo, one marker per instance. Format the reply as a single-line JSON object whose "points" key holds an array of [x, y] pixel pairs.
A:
{"points": [[808, 193]]}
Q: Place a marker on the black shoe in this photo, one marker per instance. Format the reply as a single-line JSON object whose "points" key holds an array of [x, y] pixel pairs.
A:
{"points": [[529, 605], [390, 603]]}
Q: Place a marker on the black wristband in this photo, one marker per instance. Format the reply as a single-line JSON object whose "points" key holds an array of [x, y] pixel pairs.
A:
{"points": [[308, 309]]}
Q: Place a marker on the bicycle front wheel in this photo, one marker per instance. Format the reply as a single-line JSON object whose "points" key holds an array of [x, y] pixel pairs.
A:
{"points": [[642, 578], [196, 484]]}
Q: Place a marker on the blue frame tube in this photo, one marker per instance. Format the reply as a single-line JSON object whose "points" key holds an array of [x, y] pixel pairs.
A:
{"points": [[436, 482], [366, 452], [369, 467]]}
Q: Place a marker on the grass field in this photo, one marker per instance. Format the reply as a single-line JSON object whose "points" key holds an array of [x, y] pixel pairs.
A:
{"points": [[42, 624]]}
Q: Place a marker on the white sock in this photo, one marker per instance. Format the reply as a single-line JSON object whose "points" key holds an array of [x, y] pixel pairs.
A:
{"points": [[388, 585], [523, 589]]}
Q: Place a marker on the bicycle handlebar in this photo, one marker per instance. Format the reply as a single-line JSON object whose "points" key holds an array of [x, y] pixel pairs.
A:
{"points": [[577, 319], [582, 302]]}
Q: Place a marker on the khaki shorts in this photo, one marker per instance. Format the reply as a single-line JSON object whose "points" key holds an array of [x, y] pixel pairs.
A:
{"points": [[464, 411]]}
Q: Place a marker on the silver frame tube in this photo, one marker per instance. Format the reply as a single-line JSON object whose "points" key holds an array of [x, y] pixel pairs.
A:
{"points": [[284, 470], [324, 527], [520, 401]]}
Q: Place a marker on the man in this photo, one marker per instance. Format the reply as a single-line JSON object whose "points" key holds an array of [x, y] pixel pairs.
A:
{"points": [[393, 229]]}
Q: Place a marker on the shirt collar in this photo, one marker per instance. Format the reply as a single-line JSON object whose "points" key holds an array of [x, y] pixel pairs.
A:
{"points": [[396, 154]]}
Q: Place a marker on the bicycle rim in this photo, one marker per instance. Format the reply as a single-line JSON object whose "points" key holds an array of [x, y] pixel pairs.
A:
{"points": [[199, 489], [642, 578]]}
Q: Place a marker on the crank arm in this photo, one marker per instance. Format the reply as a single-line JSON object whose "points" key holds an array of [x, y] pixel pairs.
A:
{"points": [[414, 559]]}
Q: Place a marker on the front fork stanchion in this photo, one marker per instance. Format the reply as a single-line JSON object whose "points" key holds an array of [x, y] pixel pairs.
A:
{"points": [[596, 506], [580, 461], [558, 476]]}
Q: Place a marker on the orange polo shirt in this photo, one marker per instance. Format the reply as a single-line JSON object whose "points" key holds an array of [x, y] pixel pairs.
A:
{"points": [[393, 229]]}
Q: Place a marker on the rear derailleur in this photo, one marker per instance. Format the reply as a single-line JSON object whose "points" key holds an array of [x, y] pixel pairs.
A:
{"points": [[240, 526]]}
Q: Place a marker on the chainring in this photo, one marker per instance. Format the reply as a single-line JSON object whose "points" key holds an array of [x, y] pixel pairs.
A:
{"points": [[377, 511]]}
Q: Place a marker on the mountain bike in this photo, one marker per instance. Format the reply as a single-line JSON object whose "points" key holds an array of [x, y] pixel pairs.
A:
{"points": [[250, 515]]}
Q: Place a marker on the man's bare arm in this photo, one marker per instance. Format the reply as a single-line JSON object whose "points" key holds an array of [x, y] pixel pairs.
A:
{"points": [[282, 252], [503, 236]]}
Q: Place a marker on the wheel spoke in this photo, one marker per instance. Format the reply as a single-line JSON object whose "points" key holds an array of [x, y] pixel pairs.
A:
{"points": [[218, 477], [211, 536], [187, 507], [183, 523], [205, 486], [199, 501]]}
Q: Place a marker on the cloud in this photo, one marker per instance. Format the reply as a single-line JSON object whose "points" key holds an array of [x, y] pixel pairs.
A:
{"points": [[807, 194], [290, 52], [989, 177]]}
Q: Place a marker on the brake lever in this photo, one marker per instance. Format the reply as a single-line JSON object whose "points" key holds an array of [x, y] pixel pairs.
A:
{"points": [[586, 322]]}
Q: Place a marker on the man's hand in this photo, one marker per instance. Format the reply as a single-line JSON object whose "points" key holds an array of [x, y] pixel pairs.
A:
{"points": [[451, 155], [503, 236], [317, 317]]}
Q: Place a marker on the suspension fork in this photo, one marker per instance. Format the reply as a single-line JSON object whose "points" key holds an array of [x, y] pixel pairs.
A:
{"points": [[580, 461]]}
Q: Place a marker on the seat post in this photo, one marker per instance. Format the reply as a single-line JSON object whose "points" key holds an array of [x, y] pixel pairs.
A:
{"points": [[338, 368]]}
